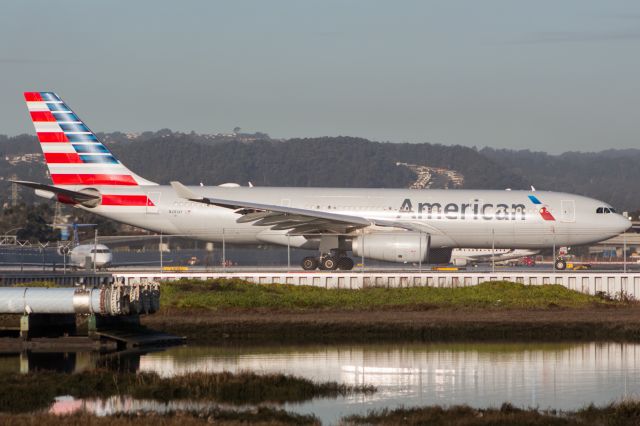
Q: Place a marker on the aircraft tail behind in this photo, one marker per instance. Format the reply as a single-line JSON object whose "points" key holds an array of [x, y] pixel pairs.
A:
{"points": [[73, 153]]}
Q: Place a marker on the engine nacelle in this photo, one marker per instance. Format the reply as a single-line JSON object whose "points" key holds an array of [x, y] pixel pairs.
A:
{"points": [[406, 247]]}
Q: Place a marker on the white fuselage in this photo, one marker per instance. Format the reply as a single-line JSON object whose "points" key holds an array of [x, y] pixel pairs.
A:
{"points": [[85, 256], [452, 218]]}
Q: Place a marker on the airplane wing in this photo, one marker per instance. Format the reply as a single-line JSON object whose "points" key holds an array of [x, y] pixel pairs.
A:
{"points": [[296, 220]]}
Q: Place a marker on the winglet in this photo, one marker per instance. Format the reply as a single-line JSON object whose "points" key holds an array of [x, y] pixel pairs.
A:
{"points": [[184, 192]]}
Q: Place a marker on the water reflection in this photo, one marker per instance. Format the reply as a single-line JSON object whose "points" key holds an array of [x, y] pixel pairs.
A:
{"points": [[563, 376], [117, 404], [70, 362]]}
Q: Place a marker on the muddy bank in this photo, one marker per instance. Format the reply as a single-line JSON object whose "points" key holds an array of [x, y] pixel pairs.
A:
{"points": [[600, 323], [257, 417]]}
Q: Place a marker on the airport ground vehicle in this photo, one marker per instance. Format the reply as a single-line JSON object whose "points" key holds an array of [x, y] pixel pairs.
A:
{"points": [[466, 256], [394, 225]]}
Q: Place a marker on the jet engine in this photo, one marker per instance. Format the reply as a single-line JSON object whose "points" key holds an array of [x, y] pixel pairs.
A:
{"points": [[405, 247]]}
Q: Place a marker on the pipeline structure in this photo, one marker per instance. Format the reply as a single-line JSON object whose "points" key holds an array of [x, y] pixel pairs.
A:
{"points": [[112, 300]]}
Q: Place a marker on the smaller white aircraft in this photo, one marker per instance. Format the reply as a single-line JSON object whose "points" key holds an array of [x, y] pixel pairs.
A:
{"points": [[470, 256], [84, 256]]}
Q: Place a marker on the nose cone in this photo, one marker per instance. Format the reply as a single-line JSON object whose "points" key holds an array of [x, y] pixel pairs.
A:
{"points": [[620, 223]]}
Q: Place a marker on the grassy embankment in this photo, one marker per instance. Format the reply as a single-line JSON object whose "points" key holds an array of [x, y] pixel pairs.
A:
{"points": [[25, 393], [222, 294], [624, 413], [234, 310]]}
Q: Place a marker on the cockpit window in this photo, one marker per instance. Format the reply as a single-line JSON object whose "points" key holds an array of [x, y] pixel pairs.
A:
{"points": [[605, 210], [100, 251]]}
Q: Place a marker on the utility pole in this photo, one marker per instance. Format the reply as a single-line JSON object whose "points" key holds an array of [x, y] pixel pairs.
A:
{"points": [[95, 249], [493, 251], [161, 258], [14, 191]]}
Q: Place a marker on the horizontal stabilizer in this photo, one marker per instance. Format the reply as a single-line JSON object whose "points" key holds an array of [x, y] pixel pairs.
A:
{"points": [[89, 199]]}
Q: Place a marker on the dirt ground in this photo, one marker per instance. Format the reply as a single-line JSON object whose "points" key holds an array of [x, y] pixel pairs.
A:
{"points": [[598, 323]]}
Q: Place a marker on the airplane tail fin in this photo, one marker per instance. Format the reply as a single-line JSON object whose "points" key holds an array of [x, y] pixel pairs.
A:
{"points": [[73, 153]]}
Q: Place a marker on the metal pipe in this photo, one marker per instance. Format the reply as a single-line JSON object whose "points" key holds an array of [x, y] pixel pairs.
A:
{"points": [[38, 300], [112, 300]]}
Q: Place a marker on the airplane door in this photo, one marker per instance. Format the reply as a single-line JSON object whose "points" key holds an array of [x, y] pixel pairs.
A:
{"points": [[153, 202], [568, 211]]}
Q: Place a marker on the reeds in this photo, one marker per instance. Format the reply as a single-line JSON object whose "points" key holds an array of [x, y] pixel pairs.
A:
{"points": [[23, 393], [622, 413]]}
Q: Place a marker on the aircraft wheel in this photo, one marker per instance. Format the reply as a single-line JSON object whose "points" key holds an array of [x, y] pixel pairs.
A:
{"points": [[345, 263], [560, 264], [309, 263], [329, 263]]}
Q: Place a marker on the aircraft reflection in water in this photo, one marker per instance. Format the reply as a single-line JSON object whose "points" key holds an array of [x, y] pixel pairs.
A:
{"points": [[394, 225], [554, 375]]}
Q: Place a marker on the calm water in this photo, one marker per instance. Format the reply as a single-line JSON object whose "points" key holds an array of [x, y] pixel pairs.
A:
{"points": [[563, 376]]}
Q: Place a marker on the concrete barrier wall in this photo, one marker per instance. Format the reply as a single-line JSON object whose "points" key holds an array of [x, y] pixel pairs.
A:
{"points": [[590, 282]]}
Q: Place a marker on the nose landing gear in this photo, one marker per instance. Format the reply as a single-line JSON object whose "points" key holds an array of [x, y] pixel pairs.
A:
{"points": [[560, 264]]}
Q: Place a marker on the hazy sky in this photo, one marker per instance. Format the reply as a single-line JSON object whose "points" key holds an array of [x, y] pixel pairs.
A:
{"points": [[546, 75]]}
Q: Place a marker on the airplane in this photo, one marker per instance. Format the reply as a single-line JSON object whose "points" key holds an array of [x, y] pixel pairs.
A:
{"points": [[75, 255], [88, 256], [82, 256], [466, 256], [394, 225], [85, 256]]}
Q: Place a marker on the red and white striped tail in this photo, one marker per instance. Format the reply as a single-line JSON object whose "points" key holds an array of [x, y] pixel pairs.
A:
{"points": [[77, 159]]}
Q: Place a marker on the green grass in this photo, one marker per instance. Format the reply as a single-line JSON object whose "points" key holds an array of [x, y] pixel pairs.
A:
{"points": [[221, 294], [46, 284]]}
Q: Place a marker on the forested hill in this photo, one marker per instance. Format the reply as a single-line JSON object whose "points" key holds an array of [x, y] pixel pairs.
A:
{"points": [[340, 162], [612, 176]]}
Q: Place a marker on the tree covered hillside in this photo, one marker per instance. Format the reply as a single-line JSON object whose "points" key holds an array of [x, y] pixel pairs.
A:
{"points": [[340, 162], [612, 176]]}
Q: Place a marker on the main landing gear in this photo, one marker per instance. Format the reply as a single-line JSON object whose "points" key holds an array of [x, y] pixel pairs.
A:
{"points": [[333, 255], [328, 262]]}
